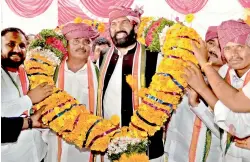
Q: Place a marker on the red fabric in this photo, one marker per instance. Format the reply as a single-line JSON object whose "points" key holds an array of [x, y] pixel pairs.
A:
{"points": [[79, 30], [245, 3], [28, 8], [234, 31], [211, 33], [187, 6]]}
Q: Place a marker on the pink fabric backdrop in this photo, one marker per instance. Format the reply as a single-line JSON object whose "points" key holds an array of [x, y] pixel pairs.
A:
{"points": [[245, 3], [187, 6], [100, 7], [68, 11], [28, 8]]}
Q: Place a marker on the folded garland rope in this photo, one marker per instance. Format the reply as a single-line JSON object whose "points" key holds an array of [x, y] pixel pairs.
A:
{"points": [[167, 87], [63, 113]]}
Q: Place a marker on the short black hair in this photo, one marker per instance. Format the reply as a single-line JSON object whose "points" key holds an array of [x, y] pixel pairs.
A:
{"points": [[13, 29], [100, 41]]}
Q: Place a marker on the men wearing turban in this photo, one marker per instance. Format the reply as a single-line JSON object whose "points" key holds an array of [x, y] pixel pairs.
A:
{"points": [[78, 76], [230, 96], [196, 139], [126, 56]]}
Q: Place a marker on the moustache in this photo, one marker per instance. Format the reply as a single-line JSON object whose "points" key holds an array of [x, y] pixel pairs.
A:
{"points": [[213, 53], [15, 53], [121, 32], [81, 49], [235, 59]]}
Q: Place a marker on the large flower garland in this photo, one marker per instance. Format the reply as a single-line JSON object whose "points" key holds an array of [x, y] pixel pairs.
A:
{"points": [[67, 117], [64, 114], [166, 89]]}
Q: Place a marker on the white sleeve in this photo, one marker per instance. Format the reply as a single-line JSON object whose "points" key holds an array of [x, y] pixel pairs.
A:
{"points": [[16, 107], [207, 117], [224, 117], [246, 90]]}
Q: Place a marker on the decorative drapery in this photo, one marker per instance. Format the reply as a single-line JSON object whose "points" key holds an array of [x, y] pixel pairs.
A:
{"points": [[245, 3], [68, 10], [187, 6], [97, 10], [100, 7], [28, 8]]}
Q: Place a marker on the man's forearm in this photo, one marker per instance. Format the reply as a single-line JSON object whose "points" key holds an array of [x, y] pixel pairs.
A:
{"points": [[221, 89]]}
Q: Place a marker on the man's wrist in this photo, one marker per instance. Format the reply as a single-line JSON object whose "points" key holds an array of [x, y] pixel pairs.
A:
{"points": [[25, 123], [30, 123]]}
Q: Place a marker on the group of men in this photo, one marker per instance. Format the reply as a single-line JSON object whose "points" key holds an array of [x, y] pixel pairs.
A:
{"points": [[198, 129]]}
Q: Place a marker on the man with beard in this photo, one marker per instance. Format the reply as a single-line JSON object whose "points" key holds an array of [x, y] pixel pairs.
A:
{"points": [[100, 48], [127, 56], [16, 99], [78, 76], [197, 139]]}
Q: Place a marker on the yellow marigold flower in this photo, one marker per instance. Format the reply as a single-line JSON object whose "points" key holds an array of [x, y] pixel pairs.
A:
{"points": [[133, 158], [78, 20], [189, 18], [87, 21], [115, 119]]}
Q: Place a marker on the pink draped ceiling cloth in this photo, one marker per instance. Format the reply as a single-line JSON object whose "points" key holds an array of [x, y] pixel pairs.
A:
{"points": [[28, 8], [68, 10], [245, 3], [101, 7], [187, 6]]}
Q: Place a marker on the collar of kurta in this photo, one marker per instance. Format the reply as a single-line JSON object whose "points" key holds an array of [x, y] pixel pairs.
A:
{"points": [[130, 51], [79, 71]]}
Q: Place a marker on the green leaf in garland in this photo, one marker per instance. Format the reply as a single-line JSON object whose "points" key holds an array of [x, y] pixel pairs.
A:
{"points": [[155, 45]]}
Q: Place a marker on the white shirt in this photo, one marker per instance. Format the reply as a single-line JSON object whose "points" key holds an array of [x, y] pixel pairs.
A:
{"points": [[76, 84], [30, 146], [224, 117], [112, 96], [180, 131], [114, 89]]}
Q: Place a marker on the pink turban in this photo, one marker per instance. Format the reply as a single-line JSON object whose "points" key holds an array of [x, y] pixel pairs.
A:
{"points": [[79, 30], [117, 12], [211, 33], [234, 31]]}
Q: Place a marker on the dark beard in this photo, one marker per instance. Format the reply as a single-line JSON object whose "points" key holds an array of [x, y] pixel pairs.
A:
{"points": [[7, 62], [125, 42]]}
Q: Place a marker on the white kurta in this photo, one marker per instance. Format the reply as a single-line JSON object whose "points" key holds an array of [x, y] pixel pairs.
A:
{"points": [[76, 84], [112, 96], [30, 146], [224, 117], [180, 131]]}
